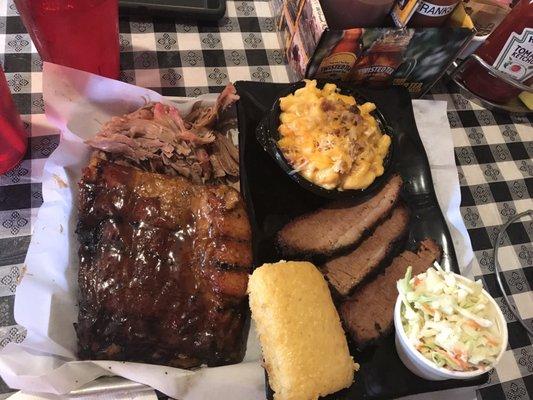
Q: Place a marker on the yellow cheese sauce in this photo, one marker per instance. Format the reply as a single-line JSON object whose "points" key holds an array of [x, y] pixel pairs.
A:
{"points": [[331, 140]]}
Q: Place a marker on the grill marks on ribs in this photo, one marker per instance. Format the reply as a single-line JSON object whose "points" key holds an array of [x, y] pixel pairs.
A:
{"points": [[336, 227], [368, 314], [163, 269], [347, 271]]}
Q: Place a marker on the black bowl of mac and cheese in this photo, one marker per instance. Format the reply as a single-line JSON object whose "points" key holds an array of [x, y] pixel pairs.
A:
{"points": [[328, 139]]}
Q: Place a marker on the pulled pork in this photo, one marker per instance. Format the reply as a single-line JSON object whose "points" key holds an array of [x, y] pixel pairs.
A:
{"points": [[157, 138]]}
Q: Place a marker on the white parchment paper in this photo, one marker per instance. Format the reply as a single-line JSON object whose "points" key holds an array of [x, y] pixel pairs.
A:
{"points": [[77, 103], [46, 300]]}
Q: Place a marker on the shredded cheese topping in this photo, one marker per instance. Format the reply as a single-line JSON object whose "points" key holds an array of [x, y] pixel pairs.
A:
{"points": [[330, 139]]}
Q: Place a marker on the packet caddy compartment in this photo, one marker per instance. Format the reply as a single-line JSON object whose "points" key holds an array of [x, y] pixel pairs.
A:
{"points": [[316, 51]]}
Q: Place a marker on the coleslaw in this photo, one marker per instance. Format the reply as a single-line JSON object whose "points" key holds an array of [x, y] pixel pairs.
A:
{"points": [[449, 321]]}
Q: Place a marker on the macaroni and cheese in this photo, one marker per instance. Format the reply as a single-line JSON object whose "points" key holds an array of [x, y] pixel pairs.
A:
{"points": [[331, 140]]}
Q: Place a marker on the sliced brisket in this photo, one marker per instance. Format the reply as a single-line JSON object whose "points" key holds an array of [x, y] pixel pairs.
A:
{"points": [[347, 271], [337, 226], [369, 312]]}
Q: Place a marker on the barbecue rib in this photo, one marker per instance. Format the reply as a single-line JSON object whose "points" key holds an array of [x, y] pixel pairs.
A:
{"points": [[338, 226], [163, 269], [347, 271], [368, 314]]}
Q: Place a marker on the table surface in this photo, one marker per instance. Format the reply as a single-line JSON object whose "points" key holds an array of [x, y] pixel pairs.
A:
{"points": [[493, 152]]}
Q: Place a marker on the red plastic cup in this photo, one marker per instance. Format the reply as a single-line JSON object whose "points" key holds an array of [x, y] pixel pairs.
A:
{"points": [[13, 138], [81, 34]]}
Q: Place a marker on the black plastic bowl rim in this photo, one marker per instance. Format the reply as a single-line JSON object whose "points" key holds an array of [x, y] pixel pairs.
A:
{"points": [[267, 135]]}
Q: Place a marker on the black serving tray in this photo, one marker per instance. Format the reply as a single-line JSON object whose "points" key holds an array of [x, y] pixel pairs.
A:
{"points": [[273, 198]]}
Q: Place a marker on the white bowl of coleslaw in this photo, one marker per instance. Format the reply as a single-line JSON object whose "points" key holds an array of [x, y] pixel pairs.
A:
{"points": [[447, 326]]}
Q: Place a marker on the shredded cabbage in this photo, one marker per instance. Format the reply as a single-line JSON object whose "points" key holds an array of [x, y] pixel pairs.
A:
{"points": [[448, 321]]}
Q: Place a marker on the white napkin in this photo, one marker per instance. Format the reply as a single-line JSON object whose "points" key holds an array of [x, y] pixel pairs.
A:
{"points": [[77, 102], [434, 128]]}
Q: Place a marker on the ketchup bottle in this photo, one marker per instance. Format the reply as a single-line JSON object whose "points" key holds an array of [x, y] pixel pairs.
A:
{"points": [[509, 49]]}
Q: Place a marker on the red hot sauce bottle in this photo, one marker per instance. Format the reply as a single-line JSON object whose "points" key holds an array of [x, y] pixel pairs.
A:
{"points": [[509, 49]]}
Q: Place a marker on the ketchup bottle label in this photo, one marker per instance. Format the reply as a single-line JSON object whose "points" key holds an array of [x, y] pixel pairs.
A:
{"points": [[434, 10], [516, 56]]}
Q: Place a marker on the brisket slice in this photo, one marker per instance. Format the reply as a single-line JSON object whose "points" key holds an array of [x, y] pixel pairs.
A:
{"points": [[368, 313], [337, 226], [163, 269], [347, 271]]}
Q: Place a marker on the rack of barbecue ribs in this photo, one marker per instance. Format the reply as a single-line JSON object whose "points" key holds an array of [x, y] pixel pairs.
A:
{"points": [[163, 269]]}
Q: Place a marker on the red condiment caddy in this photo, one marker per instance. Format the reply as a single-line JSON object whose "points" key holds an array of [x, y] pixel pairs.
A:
{"points": [[504, 63]]}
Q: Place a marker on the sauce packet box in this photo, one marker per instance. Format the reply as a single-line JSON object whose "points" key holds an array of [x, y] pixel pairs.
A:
{"points": [[414, 58]]}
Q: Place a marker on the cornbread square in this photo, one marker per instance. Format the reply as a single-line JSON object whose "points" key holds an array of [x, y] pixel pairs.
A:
{"points": [[304, 347]]}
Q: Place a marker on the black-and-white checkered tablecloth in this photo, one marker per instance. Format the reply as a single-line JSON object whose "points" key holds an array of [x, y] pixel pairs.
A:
{"points": [[493, 152]]}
